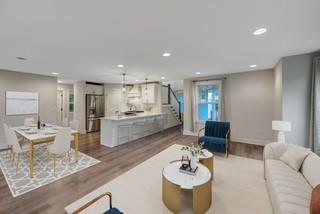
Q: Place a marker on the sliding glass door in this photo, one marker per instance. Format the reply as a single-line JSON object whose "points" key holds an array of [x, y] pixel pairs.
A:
{"points": [[208, 101]]}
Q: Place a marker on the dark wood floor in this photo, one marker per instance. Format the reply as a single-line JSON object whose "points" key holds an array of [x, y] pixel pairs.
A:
{"points": [[54, 197]]}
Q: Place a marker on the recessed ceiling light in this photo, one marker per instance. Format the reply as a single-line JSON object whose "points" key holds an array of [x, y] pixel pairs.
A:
{"points": [[137, 80], [166, 54], [162, 78], [59, 81], [21, 58], [197, 73], [120, 66], [55, 73], [259, 31], [253, 66]]}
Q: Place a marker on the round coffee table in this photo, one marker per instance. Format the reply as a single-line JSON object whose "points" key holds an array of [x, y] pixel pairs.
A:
{"points": [[207, 159], [173, 181]]}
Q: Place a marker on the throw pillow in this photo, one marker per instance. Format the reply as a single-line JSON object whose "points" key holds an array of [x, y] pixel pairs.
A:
{"points": [[315, 201], [294, 156]]}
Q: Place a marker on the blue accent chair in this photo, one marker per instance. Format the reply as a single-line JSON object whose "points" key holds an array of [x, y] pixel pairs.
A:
{"points": [[111, 209], [216, 136]]}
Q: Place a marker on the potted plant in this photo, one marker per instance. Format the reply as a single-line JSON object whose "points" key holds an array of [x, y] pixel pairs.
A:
{"points": [[195, 150]]}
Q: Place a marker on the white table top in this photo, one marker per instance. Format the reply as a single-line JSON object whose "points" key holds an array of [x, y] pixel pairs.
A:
{"points": [[46, 132], [206, 154], [185, 181], [137, 116]]}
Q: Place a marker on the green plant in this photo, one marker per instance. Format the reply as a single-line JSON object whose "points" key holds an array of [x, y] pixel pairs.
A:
{"points": [[195, 149]]}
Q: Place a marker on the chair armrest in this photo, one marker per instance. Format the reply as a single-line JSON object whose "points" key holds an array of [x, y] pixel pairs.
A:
{"points": [[199, 133], [93, 201]]}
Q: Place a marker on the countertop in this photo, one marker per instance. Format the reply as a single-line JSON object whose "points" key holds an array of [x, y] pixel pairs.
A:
{"points": [[137, 116]]}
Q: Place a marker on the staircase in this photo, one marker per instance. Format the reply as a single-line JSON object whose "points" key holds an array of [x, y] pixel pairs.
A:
{"points": [[171, 107]]}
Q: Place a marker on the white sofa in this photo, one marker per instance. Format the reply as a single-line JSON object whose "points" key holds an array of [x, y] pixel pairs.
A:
{"points": [[290, 191]]}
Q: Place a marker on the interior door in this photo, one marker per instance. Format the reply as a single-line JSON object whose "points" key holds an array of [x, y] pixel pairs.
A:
{"points": [[59, 107]]}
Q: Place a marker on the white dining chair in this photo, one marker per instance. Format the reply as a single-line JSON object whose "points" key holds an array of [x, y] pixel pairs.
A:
{"points": [[74, 124], [9, 151], [61, 145], [16, 147], [65, 122], [29, 121]]}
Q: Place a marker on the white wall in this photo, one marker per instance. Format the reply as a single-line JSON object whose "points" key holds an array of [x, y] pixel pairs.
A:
{"points": [[277, 92], [80, 105], [296, 96], [248, 100], [46, 86]]}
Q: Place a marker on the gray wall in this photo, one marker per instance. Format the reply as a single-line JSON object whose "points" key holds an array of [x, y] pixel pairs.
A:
{"points": [[296, 96], [277, 92], [16, 81], [248, 106]]}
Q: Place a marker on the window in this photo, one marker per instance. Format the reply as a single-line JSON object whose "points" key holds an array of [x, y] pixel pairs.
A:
{"points": [[208, 100], [71, 103], [180, 97]]}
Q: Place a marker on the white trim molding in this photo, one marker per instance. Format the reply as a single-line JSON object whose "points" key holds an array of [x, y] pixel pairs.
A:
{"points": [[251, 141], [190, 133]]}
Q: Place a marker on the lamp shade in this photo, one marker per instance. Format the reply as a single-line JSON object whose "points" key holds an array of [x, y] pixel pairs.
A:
{"points": [[280, 125]]}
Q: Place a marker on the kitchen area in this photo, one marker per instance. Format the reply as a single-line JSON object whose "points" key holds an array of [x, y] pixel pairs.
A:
{"points": [[121, 113]]}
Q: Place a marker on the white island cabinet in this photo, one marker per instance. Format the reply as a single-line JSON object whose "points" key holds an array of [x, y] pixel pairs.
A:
{"points": [[119, 130]]}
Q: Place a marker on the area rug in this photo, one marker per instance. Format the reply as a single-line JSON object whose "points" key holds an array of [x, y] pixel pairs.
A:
{"points": [[238, 187], [20, 183]]}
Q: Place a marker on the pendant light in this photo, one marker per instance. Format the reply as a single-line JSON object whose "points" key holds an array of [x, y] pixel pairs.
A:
{"points": [[123, 82], [146, 84]]}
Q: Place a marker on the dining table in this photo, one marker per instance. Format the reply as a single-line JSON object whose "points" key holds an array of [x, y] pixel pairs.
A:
{"points": [[34, 136]]}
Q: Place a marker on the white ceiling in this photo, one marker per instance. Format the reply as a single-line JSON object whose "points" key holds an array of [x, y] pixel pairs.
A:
{"points": [[85, 40]]}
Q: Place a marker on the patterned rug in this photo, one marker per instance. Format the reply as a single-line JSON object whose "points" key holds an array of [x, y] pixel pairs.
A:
{"points": [[21, 183]]}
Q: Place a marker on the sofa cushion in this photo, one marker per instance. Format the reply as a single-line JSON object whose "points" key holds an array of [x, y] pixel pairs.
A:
{"points": [[289, 190], [294, 156], [310, 169], [315, 201]]}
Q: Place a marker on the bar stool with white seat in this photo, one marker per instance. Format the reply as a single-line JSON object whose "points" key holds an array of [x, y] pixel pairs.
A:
{"points": [[61, 145], [74, 124], [16, 147]]}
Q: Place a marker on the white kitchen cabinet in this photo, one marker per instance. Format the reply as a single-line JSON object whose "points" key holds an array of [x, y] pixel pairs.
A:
{"points": [[148, 93]]}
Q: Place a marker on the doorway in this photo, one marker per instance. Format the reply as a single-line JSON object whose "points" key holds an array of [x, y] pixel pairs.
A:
{"points": [[59, 107]]}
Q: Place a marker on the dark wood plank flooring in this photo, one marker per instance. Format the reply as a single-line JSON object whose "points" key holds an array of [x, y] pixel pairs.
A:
{"points": [[54, 197]]}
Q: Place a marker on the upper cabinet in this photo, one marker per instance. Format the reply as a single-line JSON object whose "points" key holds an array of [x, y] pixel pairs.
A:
{"points": [[148, 93], [92, 88]]}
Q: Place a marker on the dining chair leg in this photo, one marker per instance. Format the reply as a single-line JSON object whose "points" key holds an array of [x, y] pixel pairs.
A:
{"points": [[69, 156], [48, 158], [13, 154], [54, 165], [17, 167]]}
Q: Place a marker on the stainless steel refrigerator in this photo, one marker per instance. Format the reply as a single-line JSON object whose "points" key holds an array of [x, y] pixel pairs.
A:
{"points": [[94, 111]]}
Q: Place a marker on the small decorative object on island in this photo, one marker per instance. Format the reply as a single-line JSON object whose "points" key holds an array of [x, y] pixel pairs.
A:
{"points": [[195, 151], [39, 123]]}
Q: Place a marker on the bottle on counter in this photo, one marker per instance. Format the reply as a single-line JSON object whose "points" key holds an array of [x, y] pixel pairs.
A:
{"points": [[39, 123]]}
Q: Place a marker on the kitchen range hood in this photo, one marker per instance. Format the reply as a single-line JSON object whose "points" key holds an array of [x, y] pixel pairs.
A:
{"points": [[134, 91]]}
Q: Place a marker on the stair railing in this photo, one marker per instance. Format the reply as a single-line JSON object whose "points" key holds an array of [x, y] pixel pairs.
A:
{"points": [[175, 99]]}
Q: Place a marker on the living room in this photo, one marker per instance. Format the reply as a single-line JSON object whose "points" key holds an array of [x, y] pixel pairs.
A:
{"points": [[160, 107]]}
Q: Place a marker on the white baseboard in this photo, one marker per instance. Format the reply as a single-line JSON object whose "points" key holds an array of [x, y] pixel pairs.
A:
{"points": [[251, 141], [190, 133]]}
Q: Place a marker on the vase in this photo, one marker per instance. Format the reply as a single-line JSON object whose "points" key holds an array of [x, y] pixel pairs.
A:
{"points": [[193, 162]]}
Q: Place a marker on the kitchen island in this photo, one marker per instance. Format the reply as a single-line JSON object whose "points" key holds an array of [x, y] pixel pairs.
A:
{"points": [[117, 130]]}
